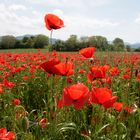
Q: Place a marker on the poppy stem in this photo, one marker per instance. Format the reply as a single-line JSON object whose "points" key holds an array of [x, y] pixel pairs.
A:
{"points": [[51, 37]]}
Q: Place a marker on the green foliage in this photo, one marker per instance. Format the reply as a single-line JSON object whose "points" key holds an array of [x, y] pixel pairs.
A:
{"points": [[26, 42], [59, 46], [137, 50], [7, 42], [10, 42], [40, 92], [73, 43], [118, 44], [41, 41], [99, 42], [128, 48]]}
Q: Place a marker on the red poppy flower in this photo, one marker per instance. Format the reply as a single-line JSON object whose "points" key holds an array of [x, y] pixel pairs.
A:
{"points": [[64, 69], [87, 52], [25, 78], [69, 80], [114, 71], [126, 76], [81, 71], [16, 102], [97, 72], [53, 22], [102, 96], [118, 106], [106, 80], [4, 135], [43, 122], [129, 109], [49, 66], [76, 95], [8, 84], [1, 88]]}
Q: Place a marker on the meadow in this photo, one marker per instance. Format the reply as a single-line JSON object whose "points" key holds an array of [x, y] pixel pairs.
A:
{"points": [[69, 96]]}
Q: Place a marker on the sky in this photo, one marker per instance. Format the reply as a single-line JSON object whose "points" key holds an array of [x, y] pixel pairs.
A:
{"points": [[109, 18]]}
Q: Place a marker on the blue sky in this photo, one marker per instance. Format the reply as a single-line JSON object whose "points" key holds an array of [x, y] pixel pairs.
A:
{"points": [[109, 18]]}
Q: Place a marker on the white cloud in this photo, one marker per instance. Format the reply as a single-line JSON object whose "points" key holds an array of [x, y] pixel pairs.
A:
{"points": [[137, 20], [58, 12], [13, 23], [81, 25], [33, 23], [91, 23], [84, 22], [70, 3], [81, 17], [15, 7], [99, 2]]}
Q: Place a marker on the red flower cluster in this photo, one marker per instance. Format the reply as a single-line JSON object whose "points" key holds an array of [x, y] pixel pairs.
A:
{"points": [[8, 84], [4, 135], [49, 66], [54, 66], [78, 95], [119, 106], [97, 72]]}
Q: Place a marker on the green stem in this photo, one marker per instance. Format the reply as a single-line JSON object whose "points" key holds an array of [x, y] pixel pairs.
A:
{"points": [[51, 37]]}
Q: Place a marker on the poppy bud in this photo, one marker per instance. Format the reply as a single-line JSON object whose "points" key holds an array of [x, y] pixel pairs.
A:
{"points": [[16, 102]]}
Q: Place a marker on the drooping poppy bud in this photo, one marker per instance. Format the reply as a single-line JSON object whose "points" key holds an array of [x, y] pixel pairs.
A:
{"points": [[16, 102]]}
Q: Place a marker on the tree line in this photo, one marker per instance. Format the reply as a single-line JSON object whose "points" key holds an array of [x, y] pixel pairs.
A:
{"points": [[71, 44], [11, 42]]}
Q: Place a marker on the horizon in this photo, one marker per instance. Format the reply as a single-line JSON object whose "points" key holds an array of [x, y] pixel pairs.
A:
{"points": [[108, 18], [67, 38], [110, 41]]}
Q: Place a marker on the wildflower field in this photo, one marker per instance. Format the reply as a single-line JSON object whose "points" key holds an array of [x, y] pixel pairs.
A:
{"points": [[85, 95]]}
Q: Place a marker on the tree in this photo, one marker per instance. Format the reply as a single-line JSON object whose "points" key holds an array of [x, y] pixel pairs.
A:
{"points": [[84, 39], [8, 42], [30, 42], [137, 50], [110, 47], [83, 42], [26, 42], [41, 41], [99, 42], [128, 48], [72, 43], [118, 44], [25, 38], [59, 46]]}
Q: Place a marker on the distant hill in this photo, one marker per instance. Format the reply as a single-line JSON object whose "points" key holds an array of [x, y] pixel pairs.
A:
{"points": [[135, 45], [132, 45], [21, 37]]}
